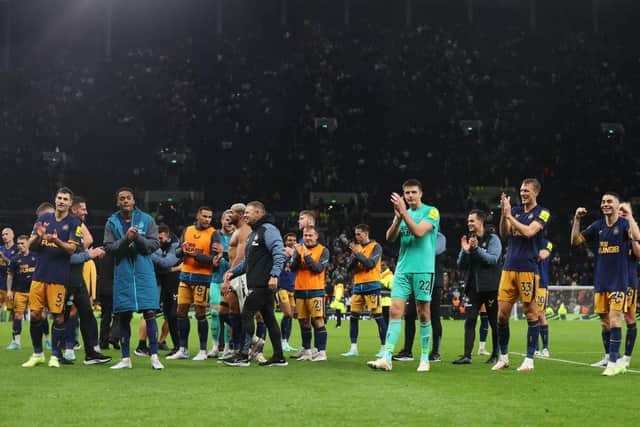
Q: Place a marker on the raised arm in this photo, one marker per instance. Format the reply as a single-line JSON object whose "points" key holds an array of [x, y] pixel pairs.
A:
{"points": [[576, 237]]}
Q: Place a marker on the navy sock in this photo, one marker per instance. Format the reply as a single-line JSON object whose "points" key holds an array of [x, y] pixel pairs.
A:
{"points": [[70, 332], [94, 339], [320, 337], [236, 328], [606, 339], [285, 327], [45, 326], [382, 328], [152, 331], [306, 337], [125, 333], [35, 328], [203, 331], [503, 338], [484, 327], [544, 334], [533, 332], [630, 341], [353, 327], [57, 338], [614, 344], [17, 327], [261, 330], [183, 330]]}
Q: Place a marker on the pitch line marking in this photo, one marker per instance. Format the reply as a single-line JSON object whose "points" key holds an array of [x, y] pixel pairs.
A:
{"points": [[570, 362]]}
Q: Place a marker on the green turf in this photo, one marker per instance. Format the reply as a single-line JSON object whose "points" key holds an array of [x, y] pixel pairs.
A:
{"points": [[342, 391]]}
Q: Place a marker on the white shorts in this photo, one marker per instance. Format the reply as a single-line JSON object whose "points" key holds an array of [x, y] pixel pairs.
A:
{"points": [[239, 287]]}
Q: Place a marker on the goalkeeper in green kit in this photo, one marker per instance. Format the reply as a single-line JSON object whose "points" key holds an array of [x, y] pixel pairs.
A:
{"points": [[417, 225]]}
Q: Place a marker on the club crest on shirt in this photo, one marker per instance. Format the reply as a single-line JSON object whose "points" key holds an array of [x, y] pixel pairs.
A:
{"points": [[65, 227], [615, 230], [530, 216]]}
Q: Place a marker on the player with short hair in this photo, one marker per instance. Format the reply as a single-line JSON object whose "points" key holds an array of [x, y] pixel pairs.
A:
{"points": [[365, 264], [286, 288], [8, 250], [131, 236], [542, 296], [631, 301], [55, 237], [222, 236], [199, 252], [416, 223], [310, 261], [522, 226], [18, 284], [611, 235], [233, 300]]}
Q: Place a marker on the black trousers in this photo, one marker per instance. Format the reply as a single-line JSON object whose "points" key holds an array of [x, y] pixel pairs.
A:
{"points": [[108, 331], [410, 316], [260, 300], [490, 301], [169, 301], [79, 296]]}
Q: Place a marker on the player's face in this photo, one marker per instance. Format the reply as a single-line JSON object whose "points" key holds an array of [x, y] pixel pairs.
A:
{"points": [[125, 201], [7, 235], [22, 246], [472, 223], [204, 218], [80, 210], [361, 236], [412, 195], [63, 202], [609, 204], [304, 221], [290, 242], [235, 217], [227, 223], [528, 194], [310, 237], [252, 215], [163, 237]]}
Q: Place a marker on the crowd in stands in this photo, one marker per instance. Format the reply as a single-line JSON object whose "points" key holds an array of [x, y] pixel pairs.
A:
{"points": [[242, 109]]}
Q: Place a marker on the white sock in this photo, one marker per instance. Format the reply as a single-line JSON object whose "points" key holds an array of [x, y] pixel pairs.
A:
{"points": [[354, 348], [16, 339], [482, 344], [214, 344]]}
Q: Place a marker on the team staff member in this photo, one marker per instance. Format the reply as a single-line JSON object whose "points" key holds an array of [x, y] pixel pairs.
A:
{"points": [[479, 258], [386, 280], [166, 265], [263, 262], [131, 236]]}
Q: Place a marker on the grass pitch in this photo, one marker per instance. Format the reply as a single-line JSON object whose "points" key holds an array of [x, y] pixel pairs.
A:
{"points": [[341, 391]]}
